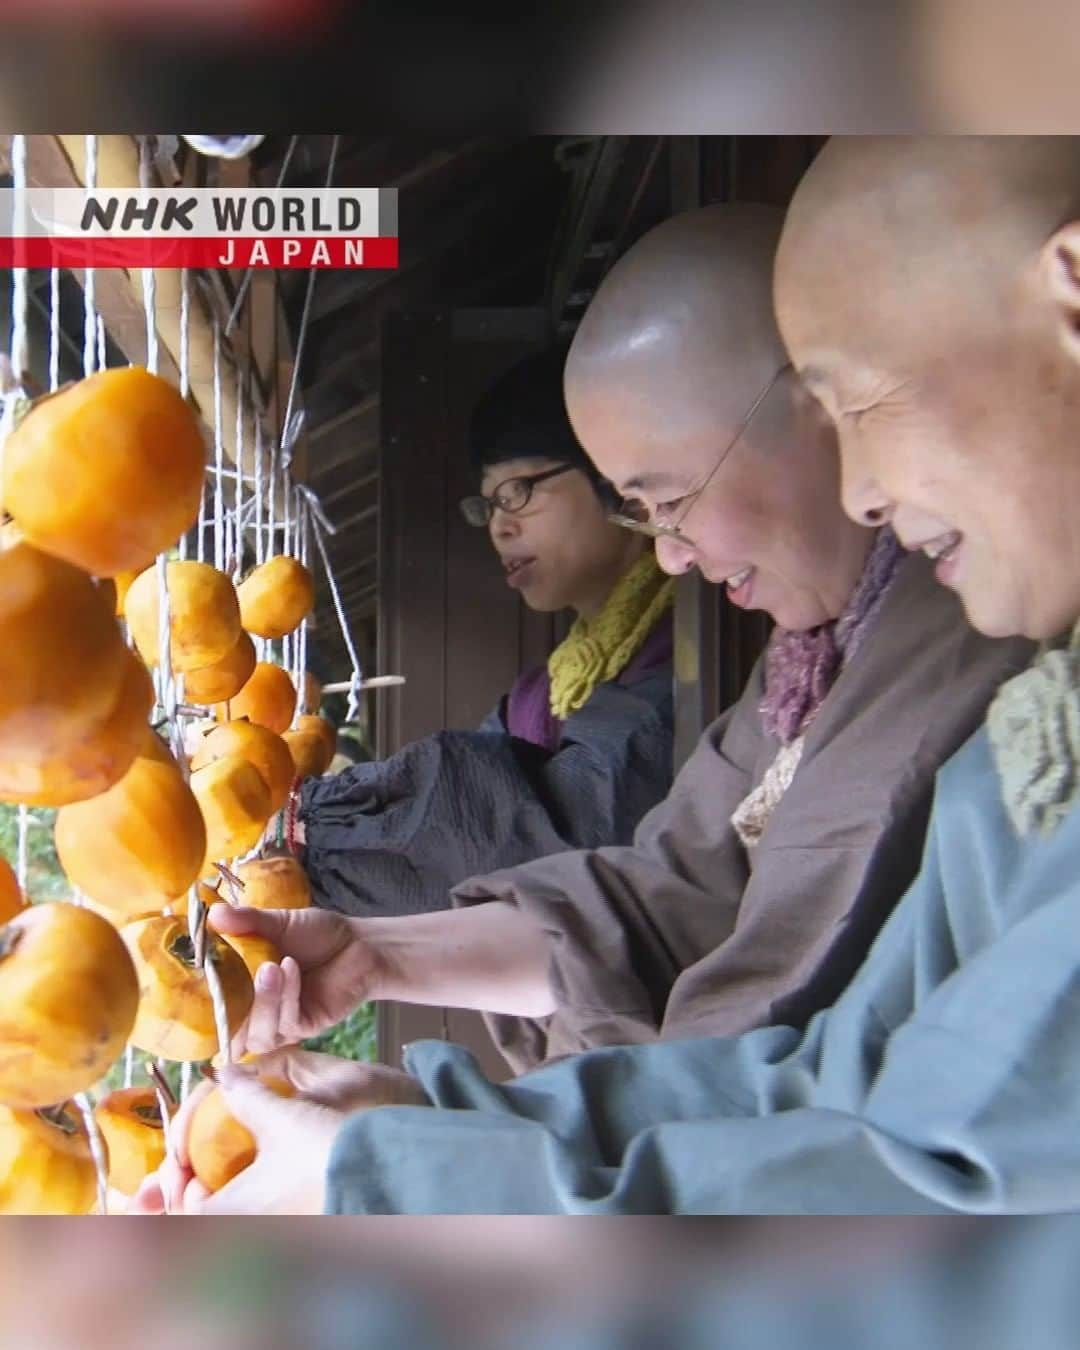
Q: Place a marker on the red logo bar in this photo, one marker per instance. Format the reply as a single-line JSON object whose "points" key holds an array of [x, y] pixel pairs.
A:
{"points": [[325, 251]]}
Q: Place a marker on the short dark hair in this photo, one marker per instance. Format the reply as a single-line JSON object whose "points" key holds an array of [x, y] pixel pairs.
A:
{"points": [[523, 416]]}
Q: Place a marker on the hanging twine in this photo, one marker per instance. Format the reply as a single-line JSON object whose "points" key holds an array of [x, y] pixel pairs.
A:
{"points": [[97, 1150], [89, 299], [343, 623]]}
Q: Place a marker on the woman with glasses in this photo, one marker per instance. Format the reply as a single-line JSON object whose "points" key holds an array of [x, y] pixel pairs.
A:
{"points": [[579, 749]]}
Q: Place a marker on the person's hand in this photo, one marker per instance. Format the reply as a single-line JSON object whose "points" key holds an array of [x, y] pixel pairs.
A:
{"points": [[293, 1135], [327, 970]]}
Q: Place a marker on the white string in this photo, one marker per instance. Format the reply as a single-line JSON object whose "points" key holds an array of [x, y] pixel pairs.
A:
{"points": [[89, 301], [97, 1150], [23, 853], [185, 375], [287, 433], [219, 449], [260, 543], [149, 275], [343, 624], [185, 1080], [20, 295], [238, 504], [54, 328], [129, 1065]]}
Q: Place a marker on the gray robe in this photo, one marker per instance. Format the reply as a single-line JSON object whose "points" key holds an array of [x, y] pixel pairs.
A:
{"points": [[683, 933], [945, 1078]]}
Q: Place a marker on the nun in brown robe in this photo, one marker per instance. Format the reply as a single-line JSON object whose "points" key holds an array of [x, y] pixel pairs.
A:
{"points": [[751, 894]]}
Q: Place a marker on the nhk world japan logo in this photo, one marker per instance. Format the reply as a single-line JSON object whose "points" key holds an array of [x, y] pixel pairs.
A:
{"points": [[199, 227]]}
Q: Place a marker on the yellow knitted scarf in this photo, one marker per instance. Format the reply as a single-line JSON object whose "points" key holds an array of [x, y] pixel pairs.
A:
{"points": [[599, 649]]}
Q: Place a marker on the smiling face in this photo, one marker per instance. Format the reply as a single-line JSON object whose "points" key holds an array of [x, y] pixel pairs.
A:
{"points": [[560, 551], [769, 525], [922, 314]]}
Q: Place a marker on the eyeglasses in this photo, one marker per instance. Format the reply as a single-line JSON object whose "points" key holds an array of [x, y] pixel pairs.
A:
{"points": [[512, 494], [634, 514]]}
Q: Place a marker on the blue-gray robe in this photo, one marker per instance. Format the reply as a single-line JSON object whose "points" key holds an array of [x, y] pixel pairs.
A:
{"points": [[945, 1078]]}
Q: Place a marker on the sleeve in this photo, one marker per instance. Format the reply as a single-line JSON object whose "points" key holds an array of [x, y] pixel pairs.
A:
{"points": [[624, 922], [393, 836], [967, 1102]]}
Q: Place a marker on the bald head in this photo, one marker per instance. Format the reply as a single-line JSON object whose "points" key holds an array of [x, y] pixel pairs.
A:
{"points": [[676, 349], [909, 240], [684, 321], [928, 291]]}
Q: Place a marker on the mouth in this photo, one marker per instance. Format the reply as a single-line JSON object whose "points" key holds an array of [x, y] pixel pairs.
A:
{"points": [[738, 585], [941, 548], [517, 570]]}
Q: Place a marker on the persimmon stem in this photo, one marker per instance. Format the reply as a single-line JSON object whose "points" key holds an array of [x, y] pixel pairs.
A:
{"points": [[162, 1084]]}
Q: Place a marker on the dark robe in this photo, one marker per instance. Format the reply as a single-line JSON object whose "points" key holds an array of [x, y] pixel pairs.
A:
{"points": [[393, 836]]}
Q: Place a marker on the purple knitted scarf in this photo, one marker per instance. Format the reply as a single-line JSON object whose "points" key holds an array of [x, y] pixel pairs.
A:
{"points": [[801, 668]]}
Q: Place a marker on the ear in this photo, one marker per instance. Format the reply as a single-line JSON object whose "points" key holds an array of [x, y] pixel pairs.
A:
{"points": [[1060, 271]]}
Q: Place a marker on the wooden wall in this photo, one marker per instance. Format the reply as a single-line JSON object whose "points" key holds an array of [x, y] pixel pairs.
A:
{"points": [[447, 618]]}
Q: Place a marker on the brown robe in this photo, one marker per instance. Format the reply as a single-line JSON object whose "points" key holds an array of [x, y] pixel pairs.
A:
{"points": [[684, 933]]}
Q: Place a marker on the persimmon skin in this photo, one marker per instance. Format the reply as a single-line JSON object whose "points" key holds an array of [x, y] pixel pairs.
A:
{"points": [[218, 1145], [268, 698], [276, 597], [204, 617], [225, 678], [139, 846], [275, 883], [309, 754], [107, 473], [68, 998], [176, 1016], [130, 1122], [235, 804], [45, 1168], [11, 897], [266, 750]]}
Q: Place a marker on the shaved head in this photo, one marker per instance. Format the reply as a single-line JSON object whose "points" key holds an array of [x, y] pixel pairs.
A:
{"points": [[928, 290], [685, 319], [678, 346]]}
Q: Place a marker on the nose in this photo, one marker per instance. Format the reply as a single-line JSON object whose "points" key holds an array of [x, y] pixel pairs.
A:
{"points": [[675, 557], [864, 500], [503, 524]]}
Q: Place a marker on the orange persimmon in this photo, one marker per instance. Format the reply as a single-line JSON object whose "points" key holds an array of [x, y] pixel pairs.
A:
{"points": [[204, 618], [225, 678], [108, 472], [276, 597], [218, 1145], [68, 997], [235, 804], [268, 697], [130, 1122], [176, 1016], [275, 883], [46, 1165], [266, 750]]}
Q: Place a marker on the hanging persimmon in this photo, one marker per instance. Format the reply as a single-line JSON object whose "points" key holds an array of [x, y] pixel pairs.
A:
{"points": [[319, 726], [225, 678], [62, 659], [219, 1147], [312, 693], [204, 618], [46, 1163], [235, 804], [68, 997], [253, 950], [276, 597], [310, 756], [108, 472], [265, 750], [11, 897], [130, 1122], [140, 845], [60, 770], [275, 883], [176, 1015], [268, 698]]}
